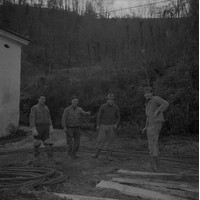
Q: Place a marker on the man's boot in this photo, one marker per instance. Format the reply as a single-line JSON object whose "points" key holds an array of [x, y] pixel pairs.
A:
{"points": [[49, 151], [75, 151], [36, 160], [154, 162], [108, 156], [69, 151], [156, 158], [96, 154], [36, 151]]}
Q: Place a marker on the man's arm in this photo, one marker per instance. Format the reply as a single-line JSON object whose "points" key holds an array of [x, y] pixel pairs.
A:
{"points": [[84, 112], [118, 117], [146, 125], [163, 105], [147, 120], [32, 117], [50, 122], [64, 117], [49, 116], [32, 121], [99, 115]]}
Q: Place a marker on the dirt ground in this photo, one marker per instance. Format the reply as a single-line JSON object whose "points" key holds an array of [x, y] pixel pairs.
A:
{"points": [[84, 173]]}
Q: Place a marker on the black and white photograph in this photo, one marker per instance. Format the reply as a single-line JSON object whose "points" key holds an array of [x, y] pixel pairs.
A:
{"points": [[99, 99]]}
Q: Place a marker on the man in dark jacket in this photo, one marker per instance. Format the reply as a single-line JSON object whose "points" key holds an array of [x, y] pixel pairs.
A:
{"points": [[108, 119], [71, 122]]}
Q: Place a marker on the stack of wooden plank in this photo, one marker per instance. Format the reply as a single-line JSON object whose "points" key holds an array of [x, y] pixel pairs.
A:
{"points": [[80, 197], [149, 185]]}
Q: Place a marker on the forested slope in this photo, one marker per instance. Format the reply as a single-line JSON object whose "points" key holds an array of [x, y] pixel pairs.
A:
{"points": [[89, 56]]}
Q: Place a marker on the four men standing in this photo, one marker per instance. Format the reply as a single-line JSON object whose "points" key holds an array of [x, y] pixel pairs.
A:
{"points": [[108, 120]]}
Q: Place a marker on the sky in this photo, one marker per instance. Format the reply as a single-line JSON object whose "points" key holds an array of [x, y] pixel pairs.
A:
{"points": [[127, 3], [120, 4], [117, 4]]}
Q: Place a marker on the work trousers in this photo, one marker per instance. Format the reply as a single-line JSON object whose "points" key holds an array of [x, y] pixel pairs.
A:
{"points": [[43, 134], [105, 137], [153, 131], [73, 137]]}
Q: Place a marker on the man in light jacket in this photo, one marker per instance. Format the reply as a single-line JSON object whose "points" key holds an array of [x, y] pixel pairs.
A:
{"points": [[41, 125], [155, 106], [71, 122]]}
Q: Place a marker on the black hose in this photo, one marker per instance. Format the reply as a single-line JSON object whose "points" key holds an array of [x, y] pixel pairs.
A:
{"points": [[28, 176]]}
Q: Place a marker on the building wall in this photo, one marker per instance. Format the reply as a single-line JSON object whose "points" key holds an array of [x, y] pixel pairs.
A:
{"points": [[10, 66]]}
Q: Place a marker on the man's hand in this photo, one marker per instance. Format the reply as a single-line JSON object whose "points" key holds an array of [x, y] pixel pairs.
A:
{"points": [[156, 113], [34, 131], [65, 129], [51, 130], [98, 127], [144, 130], [115, 127], [89, 112]]}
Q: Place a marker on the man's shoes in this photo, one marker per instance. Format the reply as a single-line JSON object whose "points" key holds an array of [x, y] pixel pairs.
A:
{"points": [[75, 156], [109, 158], [36, 152], [154, 163], [96, 154], [49, 151], [154, 167]]}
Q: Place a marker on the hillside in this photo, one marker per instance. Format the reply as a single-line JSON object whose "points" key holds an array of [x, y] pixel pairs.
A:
{"points": [[130, 53]]}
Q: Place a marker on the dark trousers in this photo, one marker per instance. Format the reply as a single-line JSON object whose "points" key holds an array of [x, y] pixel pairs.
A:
{"points": [[43, 134], [73, 136]]}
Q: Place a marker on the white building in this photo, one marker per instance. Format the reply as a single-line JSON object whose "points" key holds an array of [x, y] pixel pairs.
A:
{"points": [[10, 67]]}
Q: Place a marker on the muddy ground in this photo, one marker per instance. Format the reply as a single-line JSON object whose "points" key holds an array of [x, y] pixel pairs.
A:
{"points": [[84, 173]]}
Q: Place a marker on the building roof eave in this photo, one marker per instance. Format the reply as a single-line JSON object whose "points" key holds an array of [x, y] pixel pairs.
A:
{"points": [[13, 36]]}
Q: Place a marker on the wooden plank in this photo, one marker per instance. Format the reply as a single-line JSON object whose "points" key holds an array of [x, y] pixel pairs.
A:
{"points": [[174, 192], [177, 185], [138, 192], [162, 187], [129, 172], [157, 179], [79, 197]]}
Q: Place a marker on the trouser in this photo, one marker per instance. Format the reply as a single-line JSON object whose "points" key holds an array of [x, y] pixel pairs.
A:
{"points": [[43, 134], [153, 131], [105, 137], [73, 136]]}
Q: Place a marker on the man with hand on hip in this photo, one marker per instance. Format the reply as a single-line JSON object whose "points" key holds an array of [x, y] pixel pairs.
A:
{"points": [[41, 124], [71, 122], [108, 119], [155, 106]]}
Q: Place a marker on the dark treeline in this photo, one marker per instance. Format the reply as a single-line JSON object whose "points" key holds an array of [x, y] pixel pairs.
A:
{"points": [[72, 54]]}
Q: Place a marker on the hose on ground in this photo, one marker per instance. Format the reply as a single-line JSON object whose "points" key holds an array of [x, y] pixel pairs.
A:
{"points": [[16, 177]]}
